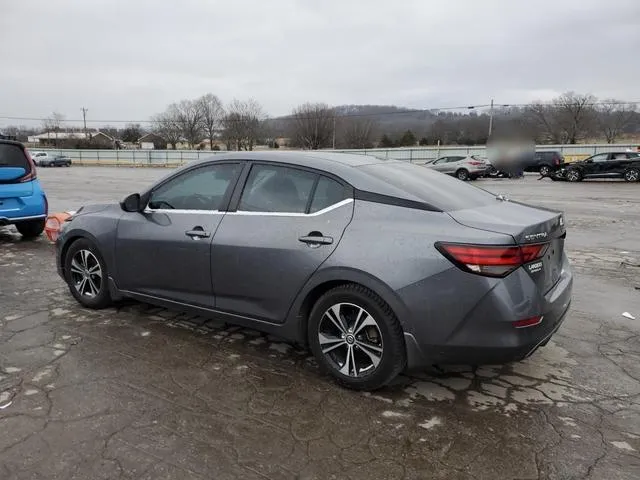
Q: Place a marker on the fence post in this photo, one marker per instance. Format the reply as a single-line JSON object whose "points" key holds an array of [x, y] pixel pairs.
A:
{"points": [[181, 161], [149, 157], [411, 155], [98, 156], [117, 157], [166, 158]]}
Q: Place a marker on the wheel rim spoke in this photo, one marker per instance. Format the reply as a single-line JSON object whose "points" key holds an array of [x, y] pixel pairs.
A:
{"points": [[367, 322], [330, 343], [76, 268], [92, 287], [333, 314], [374, 353], [349, 364]]}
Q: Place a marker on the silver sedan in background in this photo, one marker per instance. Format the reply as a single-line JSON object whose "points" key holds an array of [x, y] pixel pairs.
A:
{"points": [[462, 167]]}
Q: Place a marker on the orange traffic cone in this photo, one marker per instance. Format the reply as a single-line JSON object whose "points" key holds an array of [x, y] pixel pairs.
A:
{"points": [[53, 224]]}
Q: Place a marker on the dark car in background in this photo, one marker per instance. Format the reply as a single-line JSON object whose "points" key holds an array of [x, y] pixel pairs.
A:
{"points": [[55, 161], [364, 260], [603, 165], [545, 162]]}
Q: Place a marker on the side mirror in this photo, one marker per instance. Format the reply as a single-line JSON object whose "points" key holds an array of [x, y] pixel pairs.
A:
{"points": [[132, 203]]}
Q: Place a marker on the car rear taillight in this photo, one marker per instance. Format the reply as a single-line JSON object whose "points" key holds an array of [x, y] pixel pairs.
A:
{"points": [[32, 175], [491, 260], [527, 322], [556, 160], [476, 163]]}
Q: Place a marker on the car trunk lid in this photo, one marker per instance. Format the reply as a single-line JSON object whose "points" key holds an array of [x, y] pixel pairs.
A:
{"points": [[526, 225], [14, 166]]}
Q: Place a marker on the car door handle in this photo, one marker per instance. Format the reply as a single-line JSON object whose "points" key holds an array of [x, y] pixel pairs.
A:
{"points": [[197, 232], [316, 239]]}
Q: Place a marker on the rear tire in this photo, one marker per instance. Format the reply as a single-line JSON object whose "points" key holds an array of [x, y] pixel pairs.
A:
{"points": [[363, 349], [462, 174], [632, 175], [31, 229], [545, 170], [86, 275]]}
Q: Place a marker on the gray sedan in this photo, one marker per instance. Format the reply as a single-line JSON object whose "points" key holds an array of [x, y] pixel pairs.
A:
{"points": [[377, 266]]}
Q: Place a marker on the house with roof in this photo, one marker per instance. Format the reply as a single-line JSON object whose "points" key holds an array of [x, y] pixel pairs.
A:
{"points": [[95, 139]]}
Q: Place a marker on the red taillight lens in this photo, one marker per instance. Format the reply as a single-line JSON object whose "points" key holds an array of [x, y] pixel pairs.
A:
{"points": [[527, 322], [476, 163], [32, 175], [491, 260]]}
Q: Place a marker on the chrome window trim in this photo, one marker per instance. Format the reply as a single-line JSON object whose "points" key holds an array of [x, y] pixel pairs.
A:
{"points": [[181, 210], [341, 203]]}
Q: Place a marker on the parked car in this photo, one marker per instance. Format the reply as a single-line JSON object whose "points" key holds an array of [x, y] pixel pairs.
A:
{"points": [[38, 157], [378, 266], [603, 165], [22, 200], [462, 167], [56, 161], [545, 162]]}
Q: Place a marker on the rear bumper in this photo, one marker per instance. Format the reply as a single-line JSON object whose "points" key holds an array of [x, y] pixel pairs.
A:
{"points": [[13, 220], [486, 334]]}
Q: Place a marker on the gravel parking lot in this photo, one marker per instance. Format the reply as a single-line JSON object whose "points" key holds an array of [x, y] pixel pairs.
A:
{"points": [[144, 392]]}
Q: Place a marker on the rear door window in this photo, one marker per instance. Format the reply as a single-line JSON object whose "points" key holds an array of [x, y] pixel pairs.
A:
{"points": [[272, 188], [13, 156]]}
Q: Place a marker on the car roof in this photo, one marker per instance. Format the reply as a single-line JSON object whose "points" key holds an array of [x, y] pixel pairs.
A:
{"points": [[11, 142], [352, 168]]}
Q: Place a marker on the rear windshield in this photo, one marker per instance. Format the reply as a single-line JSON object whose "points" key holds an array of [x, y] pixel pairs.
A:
{"points": [[441, 191], [13, 156]]}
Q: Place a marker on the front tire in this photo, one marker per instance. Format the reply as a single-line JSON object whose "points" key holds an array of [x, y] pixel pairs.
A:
{"points": [[462, 174], [31, 229], [86, 275], [632, 175], [356, 337]]}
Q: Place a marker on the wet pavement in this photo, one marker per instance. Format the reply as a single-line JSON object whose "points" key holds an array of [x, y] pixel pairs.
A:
{"points": [[143, 392]]}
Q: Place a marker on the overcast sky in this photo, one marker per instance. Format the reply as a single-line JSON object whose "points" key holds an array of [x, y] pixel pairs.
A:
{"points": [[128, 59]]}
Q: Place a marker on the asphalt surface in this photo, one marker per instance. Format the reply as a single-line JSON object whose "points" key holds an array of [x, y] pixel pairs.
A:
{"points": [[144, 392]]}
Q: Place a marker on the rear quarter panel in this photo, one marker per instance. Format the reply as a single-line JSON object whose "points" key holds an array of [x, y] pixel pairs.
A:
{"points": [[391, 250]]}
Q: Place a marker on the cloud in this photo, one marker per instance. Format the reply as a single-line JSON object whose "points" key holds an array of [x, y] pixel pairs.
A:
{"points": [[128, 59]]}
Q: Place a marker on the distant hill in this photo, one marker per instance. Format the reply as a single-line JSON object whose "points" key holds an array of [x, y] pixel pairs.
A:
{"points": [[389, 118]]}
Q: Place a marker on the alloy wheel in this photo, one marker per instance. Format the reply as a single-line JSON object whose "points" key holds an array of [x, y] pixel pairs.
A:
{"points": [[544, 171], [573, 175], [86, 273], [351, 340], [631, 175]]}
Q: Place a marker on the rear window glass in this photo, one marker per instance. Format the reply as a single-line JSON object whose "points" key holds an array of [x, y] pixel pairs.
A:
{"points": [[441, 191], [13, 156]]}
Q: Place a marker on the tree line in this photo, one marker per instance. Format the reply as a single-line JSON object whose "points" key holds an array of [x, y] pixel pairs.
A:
{"points": [[242, 124]]}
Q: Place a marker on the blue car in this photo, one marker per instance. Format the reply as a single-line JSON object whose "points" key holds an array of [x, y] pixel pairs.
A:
{"points": [[23, 203]]}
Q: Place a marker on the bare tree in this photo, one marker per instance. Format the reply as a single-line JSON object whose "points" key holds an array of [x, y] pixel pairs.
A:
{"points": [[613, 117], [212, 114], [243, 124], [166, 125], [188, 116], [312, 125], [53, 122], [567, 119], [357, 132]]}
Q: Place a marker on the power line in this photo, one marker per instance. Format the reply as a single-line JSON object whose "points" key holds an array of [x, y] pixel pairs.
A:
{"points": [[343, 115]]}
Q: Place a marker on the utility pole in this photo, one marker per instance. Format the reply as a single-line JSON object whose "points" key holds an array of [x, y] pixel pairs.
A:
{"points": [[334, 131], [84, 119], [491, 118]]}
